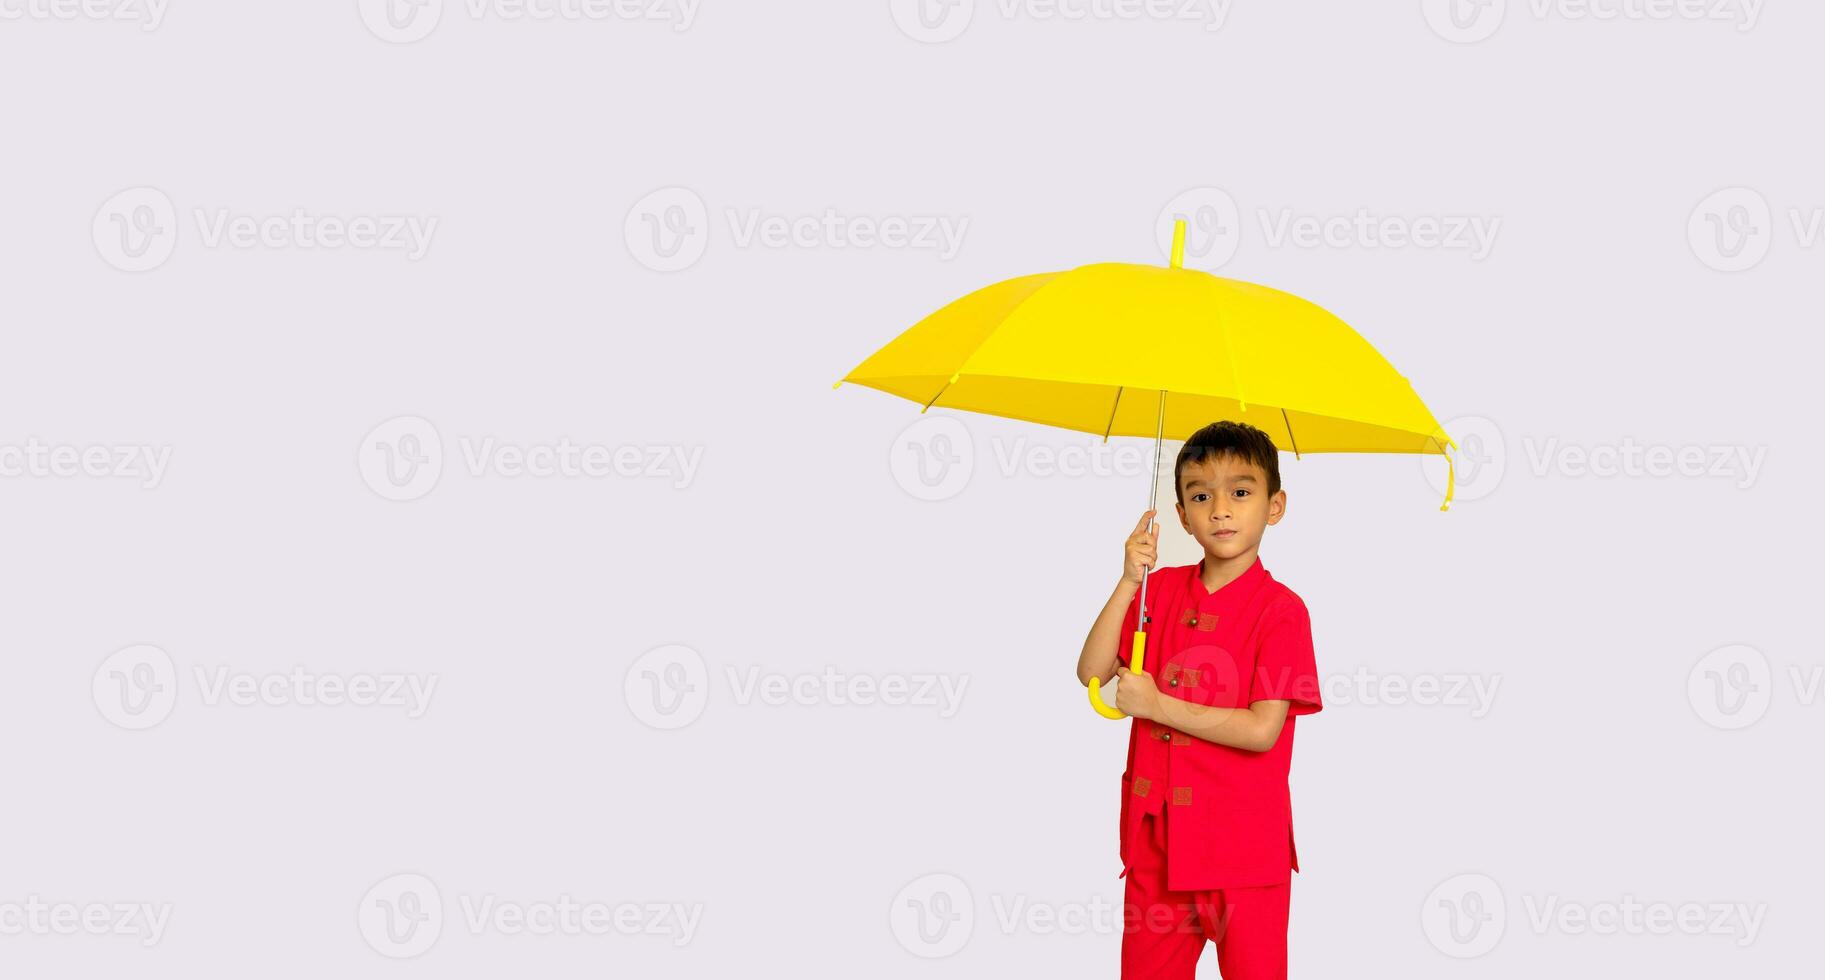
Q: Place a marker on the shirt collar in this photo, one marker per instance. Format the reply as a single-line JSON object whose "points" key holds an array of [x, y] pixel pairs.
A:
{"points": [[1239, 588]]}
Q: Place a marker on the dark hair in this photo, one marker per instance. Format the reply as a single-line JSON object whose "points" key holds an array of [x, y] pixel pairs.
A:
{"points": [[1227, 438]]}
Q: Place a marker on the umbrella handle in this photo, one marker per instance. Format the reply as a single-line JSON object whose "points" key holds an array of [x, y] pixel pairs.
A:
{"points": [[1136, 661]]}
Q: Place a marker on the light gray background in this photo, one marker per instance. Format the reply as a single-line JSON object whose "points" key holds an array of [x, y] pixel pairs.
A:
{"points": [[1601, 771]]}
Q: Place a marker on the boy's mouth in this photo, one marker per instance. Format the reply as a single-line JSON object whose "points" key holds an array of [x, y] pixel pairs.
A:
{"points": [[1224, 535]]}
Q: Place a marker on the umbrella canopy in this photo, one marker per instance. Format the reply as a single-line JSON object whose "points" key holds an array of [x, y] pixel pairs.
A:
{"points": [[1091, 349]]}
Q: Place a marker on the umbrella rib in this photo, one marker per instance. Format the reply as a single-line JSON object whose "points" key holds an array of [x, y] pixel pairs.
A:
{"points": [[934, 400], [1112, 408], [1289, 433]]}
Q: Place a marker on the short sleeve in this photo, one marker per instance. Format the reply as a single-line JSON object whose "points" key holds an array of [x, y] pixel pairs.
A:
{"points": [[1285, 668]]}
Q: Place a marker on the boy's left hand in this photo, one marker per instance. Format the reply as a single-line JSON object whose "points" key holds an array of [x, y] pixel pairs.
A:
{"points": [[1135, 694]]}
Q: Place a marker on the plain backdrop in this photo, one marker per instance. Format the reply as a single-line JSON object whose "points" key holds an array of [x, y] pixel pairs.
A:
{"points": [[1614, 762]]}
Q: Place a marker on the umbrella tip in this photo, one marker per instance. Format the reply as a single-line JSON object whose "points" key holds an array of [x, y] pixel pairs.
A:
{"points": [[1178, 243], [839, 384]]}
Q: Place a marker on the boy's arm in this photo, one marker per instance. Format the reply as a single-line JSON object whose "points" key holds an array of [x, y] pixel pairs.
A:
{"points": [[1255, 728], [1103, 647]]}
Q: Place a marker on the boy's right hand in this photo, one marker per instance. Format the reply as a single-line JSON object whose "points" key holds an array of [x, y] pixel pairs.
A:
{"points": [[1143, 549]]}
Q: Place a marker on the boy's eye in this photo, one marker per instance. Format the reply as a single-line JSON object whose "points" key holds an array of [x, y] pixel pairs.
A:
{"points": [[1241, 493], [1199, 497]]}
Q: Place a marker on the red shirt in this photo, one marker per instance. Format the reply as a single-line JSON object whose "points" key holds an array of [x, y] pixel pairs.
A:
{"points": [[1229, 813]]}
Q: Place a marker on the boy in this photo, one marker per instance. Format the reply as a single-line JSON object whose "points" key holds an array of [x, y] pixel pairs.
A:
{"points": [[1206, 816]]}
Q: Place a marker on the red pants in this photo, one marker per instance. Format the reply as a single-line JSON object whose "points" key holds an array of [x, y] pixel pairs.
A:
{"points": [[1163, 932]]}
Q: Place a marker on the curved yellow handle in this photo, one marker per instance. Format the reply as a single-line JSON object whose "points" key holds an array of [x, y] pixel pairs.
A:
{"points": [[1096, 701], [1136, 661]]}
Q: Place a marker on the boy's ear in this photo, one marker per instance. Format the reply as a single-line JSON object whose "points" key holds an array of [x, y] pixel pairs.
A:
{"points": [[1276, 507]]}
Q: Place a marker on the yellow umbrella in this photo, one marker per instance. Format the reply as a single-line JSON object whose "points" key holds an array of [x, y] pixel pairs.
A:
{"points": [[1132, 350]]}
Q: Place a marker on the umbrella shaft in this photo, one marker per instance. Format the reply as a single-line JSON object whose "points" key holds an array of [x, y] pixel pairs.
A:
{"points": [[1153, 503]]}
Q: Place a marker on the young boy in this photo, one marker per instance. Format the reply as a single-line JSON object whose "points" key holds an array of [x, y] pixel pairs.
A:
{"points": [[1206, 816]]}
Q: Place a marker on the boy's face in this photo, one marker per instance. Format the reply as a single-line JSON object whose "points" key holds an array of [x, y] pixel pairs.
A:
{"points": [[1225, 505]]}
